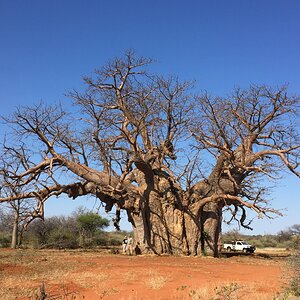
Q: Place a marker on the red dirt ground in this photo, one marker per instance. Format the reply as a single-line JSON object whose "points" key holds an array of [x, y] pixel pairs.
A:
{"points": [[185, 277], [99, 276]]}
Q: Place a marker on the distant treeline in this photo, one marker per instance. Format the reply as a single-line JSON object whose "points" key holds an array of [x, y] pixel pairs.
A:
{"points": [[80, 230], [84, 229], [288, 238]]}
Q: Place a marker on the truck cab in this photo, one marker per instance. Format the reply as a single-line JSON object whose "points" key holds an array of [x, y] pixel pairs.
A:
{"points": [[239, 246]]}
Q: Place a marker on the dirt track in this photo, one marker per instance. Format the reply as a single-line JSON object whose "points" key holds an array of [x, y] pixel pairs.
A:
{"points": [[93, 275]]}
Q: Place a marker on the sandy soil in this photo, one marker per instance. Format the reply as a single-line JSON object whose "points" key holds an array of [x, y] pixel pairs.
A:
{"points": [[94, 275]]}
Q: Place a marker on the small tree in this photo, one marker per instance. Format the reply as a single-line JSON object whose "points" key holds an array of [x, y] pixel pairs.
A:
{"points": [[22, 211], [89, 223]]}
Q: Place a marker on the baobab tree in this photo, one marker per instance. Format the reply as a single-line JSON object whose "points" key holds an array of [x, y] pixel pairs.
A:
{"points": [[126, 146]]}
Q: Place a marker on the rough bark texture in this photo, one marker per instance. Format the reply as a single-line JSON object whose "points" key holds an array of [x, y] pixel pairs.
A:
{"points": [[160, 227], [212, 227], [15, 231], [167, 223]]}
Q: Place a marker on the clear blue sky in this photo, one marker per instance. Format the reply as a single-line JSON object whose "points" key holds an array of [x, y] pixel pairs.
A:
{"points": [[47, 46]]}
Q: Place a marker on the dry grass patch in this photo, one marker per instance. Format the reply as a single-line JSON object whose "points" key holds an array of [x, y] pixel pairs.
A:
{"points": [[156, 281], [62, 292], [96, 280], [108, 292], [226, 291], [196, 294], [129, 277], [89, 279], [22, 272], [9, 293]]}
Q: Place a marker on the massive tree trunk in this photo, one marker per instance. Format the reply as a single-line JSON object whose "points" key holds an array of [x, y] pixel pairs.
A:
{"points": [[162, 228], [170, 220], [167, 222], [211, 228]]}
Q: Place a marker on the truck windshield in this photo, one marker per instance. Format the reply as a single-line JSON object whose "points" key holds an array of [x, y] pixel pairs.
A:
{"points": [[245, 243]]}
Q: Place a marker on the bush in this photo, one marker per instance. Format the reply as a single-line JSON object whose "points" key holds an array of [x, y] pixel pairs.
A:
{"points": [[5, 240], [114, 242], [263, 241], [101, 241], [82, 229], [62, 239]]}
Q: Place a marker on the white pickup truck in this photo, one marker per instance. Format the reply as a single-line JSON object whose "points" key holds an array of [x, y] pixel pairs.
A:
{"points": [[239, 246]]}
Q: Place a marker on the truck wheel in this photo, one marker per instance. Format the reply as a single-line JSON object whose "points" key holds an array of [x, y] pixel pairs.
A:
{"points": [[245, 250], [228, 249]]}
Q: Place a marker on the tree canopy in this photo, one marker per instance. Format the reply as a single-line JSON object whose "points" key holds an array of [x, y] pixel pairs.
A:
{"points": [[139, 142]]}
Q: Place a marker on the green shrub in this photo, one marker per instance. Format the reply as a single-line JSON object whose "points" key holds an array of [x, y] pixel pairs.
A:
{"points": [[101, 241], [114, 242], [263, 241], [5, 240], [62, 239], [89, 223]]}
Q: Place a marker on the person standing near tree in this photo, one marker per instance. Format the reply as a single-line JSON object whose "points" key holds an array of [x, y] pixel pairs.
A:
{"points": [[129, 244], [137, 249], [124, 244]]}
